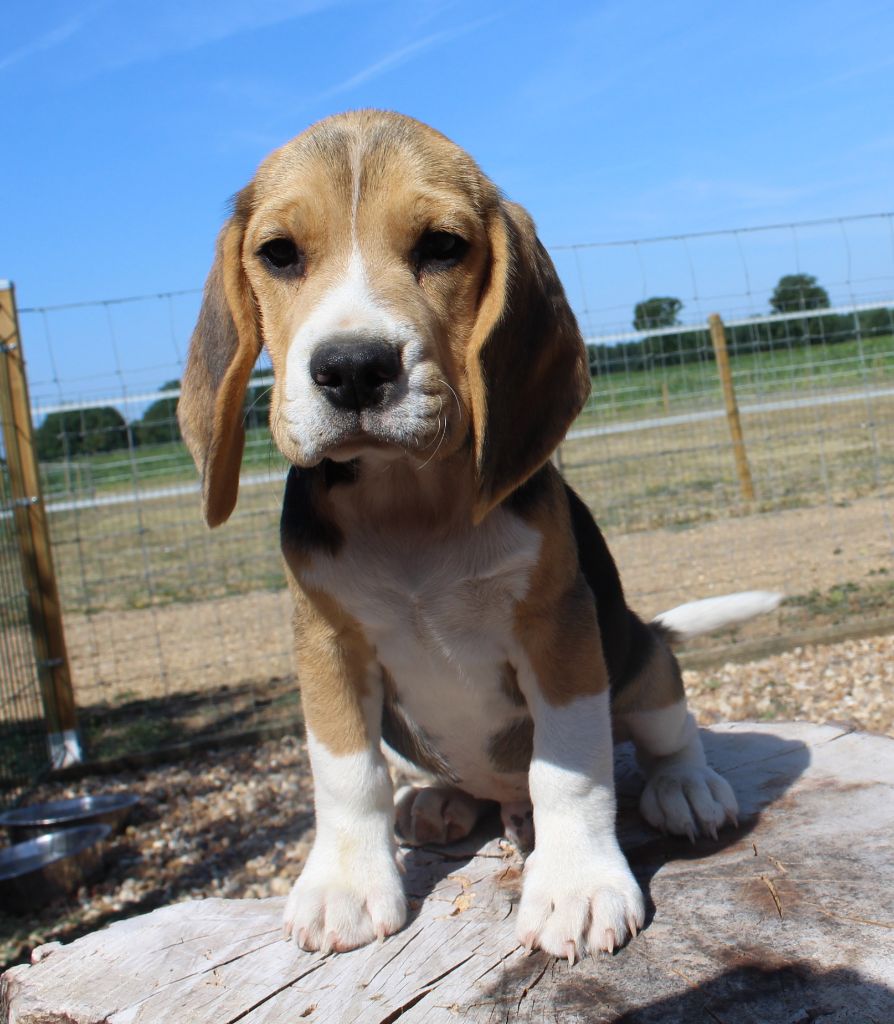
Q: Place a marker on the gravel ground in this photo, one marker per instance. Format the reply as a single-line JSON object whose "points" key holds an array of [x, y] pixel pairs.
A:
{"points": [[239, 823], [849, 683]]}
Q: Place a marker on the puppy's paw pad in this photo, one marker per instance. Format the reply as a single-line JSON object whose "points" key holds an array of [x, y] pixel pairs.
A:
{"points": [[435, 814], [328, 912], [593, 907], [686, 799]]}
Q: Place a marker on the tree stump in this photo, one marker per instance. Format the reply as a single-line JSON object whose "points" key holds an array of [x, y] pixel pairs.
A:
{"points": [[786, 920]]}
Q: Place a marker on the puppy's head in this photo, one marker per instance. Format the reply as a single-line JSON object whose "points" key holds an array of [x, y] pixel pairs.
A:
{"points": [[405, 306]]}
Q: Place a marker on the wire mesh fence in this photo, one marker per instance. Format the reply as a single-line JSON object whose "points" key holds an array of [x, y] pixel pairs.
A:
{"points": [[653, 457], [24, 724], [175, 632], [23, 743]]}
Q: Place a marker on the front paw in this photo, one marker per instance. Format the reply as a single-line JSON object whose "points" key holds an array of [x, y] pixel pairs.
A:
{"points": [[578, 903], [340, 904], [684, 799]]}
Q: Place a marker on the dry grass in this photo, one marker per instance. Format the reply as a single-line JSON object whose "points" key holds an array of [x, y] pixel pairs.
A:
{"points": [[684, 473]]}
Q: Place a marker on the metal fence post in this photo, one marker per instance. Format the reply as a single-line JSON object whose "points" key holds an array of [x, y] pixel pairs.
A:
{"points": [[44, 609], [718, 340]]}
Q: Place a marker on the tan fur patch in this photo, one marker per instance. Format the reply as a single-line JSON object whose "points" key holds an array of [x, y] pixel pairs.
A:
{"points": [[334, 664], [556, 622]]}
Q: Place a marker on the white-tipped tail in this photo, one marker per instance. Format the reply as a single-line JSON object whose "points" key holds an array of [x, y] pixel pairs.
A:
{"points": [[696, 617]]}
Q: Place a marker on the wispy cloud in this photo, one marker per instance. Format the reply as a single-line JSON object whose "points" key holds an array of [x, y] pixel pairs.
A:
{"points": [[178, 27], [400, 56], [49, 40], [127, 35]]}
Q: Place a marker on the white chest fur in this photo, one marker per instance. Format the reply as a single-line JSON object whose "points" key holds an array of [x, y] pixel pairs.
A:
{"points": [[440, 616]]}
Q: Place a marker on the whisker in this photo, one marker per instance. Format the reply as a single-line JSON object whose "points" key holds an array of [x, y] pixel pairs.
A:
{"points": [[443, 432], [459, 407], [255, 401], [438, 429]]}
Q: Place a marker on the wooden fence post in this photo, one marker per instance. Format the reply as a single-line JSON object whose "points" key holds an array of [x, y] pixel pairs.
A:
{"points": [[718, 340], [34, 542]]}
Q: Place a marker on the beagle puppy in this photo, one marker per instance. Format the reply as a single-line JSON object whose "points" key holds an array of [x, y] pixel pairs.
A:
{"points": [[457, 612]]}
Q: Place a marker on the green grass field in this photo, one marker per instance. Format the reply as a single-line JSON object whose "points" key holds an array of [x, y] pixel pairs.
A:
{"points": [[147, 466], [795, 372]]}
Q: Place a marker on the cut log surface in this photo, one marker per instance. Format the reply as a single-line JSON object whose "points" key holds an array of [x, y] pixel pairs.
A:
{"points": [[786, 920]]}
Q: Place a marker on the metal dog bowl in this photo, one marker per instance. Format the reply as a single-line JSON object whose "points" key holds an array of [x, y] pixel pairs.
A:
{"points": [[112, 809], [40, 870]]}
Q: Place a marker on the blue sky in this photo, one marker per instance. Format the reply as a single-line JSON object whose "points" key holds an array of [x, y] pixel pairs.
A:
{"points": [[127, 125]]}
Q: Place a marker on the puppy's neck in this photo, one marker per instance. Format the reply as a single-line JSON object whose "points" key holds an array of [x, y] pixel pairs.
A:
{"points": [[401, 494]]}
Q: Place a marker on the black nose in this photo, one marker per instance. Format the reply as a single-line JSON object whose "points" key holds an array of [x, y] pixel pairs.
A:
{"points": [[355, 374]]}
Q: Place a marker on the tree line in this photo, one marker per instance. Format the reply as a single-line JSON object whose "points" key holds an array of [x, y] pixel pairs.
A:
{"points": [[794, 293], [74, 432]]}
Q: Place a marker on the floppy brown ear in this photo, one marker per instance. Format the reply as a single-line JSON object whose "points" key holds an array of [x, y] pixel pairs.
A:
{"points": [[222, 351], [526, 363]]}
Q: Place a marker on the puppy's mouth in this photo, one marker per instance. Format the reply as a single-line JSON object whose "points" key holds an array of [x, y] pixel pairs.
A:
{"points": [[342, 435]]}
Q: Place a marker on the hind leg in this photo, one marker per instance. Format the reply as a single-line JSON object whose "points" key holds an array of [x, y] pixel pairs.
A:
{"points": [[435, 814], [683, 794]]}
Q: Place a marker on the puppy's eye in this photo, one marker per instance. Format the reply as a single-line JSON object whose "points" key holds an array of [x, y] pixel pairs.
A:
{"points": [[439, 250], [281, 254]]}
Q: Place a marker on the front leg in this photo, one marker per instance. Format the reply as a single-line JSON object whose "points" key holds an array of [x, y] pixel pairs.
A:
{"points": [[578, 893], [349, 892]]}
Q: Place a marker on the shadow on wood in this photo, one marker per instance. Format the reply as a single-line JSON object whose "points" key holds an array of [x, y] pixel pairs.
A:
{"points": [[793, 992], [786, 920]]}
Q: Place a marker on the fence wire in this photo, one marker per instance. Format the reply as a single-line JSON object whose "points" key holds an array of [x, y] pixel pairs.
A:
{"points": [[23, 741], [175, 632]]}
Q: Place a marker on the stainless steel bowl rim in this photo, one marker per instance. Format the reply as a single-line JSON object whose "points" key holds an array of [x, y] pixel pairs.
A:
{"points": [[57, 811], [73, 841]]}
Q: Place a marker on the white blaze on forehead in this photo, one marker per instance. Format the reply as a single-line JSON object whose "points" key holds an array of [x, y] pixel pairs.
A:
{"points": [[348, 306]]}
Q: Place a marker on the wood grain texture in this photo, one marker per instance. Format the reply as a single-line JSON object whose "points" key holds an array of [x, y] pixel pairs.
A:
{"points": [[787, 920]]}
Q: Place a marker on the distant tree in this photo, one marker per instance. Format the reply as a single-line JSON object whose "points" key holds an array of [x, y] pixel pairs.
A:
{"points": [[795, 293], [659, 311], [798, 291], [80, 432], [158, 423]]}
